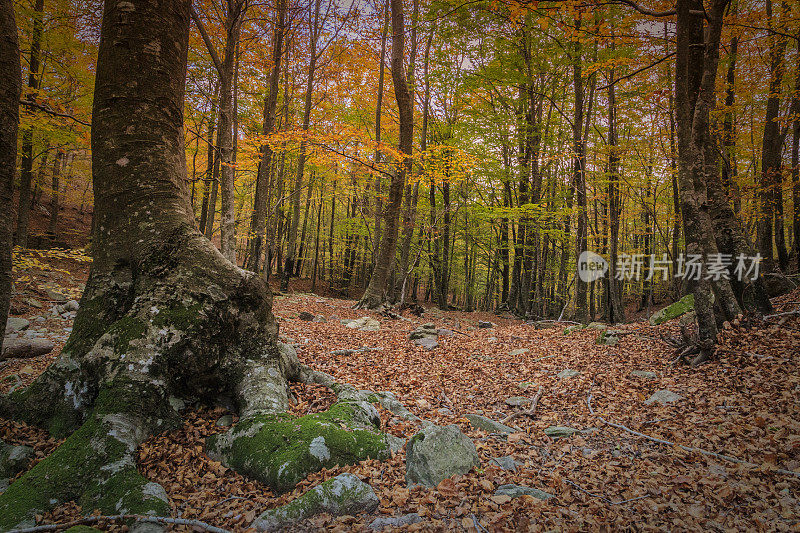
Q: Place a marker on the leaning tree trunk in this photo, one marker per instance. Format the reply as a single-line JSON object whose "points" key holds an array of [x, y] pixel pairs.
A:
{"points": [[10, 90], [163, 313]]}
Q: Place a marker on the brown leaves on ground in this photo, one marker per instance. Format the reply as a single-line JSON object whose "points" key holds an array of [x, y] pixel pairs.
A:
{"points": [[745, 404]]}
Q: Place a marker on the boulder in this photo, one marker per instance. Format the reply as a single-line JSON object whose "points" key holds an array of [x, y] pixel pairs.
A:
{"points": [[573, 328], [596, 325], [489, 425], [25, 348], [280, 450], [33, 302], [306, 316], [56, 295], [425, 331], [482, 324], [395, 521], [365, 323], [516, 491], [437, 453], [71, 305], [13, 459], [607, 339], [663, 397], [684, 305], [320, 319], [15, 324], [343, 495]]}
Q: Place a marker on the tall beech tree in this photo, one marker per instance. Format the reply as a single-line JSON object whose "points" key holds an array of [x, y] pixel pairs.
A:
{"points": [[376, 292], [10, 90], [163, 313]]}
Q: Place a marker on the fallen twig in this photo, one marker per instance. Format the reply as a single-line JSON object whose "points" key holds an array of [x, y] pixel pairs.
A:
{"points": [[530, 412], [113, 518], [724, 457], [603, 498]]}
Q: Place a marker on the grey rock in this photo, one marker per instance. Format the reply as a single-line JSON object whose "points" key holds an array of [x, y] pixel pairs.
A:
{"points": [[305, 315], [560, 431], [643, 374], [428, 343], [682, 306], [395, 521], [488, 425], [485, 325], [395, 443], [444, 411], [506, 463], [516, 491], [15, 324], [13, 459], [596, 325], [517, 401], [573, 328], [176, 403], [607, 338], [33, 302], [567, 374], [320, 319], [663, 397], [224, 420], [56, 296], [346, 321], [518, 351], [425, 331], [365, 323], [72, 305], [40, 319], [25, 348], [444, 332], [437, 453], [334, 318], [343, 495]]}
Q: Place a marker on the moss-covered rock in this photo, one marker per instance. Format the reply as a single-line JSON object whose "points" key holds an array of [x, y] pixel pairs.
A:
{"points": [[437, 453], [684, 305], [607, 338], [573, 328], [13, 459], [281, 450], [343, 495]]}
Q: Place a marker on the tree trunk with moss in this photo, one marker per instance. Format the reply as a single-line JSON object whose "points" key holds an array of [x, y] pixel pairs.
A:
{"points": [[163, 313], [10, 90]]}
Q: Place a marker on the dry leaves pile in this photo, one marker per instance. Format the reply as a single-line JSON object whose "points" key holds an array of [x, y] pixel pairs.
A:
{"points": [[746, 404]]}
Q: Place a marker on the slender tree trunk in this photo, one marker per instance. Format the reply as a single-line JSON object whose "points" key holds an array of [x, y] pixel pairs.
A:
{"points": [[376, 291], [26, 169], [291, 242], [377, 211], [10, 91], [207, 207], [795, 112], [258, 224], [58, 163], [616, 309]]}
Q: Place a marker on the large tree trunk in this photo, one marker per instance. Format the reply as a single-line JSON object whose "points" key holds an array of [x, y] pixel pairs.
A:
{"points": [[376, 291], [10, 90], [163, 313]]}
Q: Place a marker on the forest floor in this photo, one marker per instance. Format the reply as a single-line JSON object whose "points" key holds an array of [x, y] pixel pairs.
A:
{"points": [[745, 404]]}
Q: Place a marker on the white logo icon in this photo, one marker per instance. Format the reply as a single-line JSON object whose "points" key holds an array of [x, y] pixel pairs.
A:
{"points": [[591, 266]]}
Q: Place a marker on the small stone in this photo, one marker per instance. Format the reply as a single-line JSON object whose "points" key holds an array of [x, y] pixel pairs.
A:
{"points": [[72, 305], [224, 420], [33, 302], [608, 339], [177, 403], [334, 318], [444, 411], [25, 348], [306, 316], [343, 495], [345, 321], [518, 351], [40, 319], [365, 323], [320, 319], [395, 521], [567, 374], [524, 385], [488, 425], [506, 463], [596, 325], [56, 296], [427, 342], [437, 453], [516, 491], [663, 397], [444, 332], [560, 431], [517, 401], [16, 324], [644, 374], [482, 324]]}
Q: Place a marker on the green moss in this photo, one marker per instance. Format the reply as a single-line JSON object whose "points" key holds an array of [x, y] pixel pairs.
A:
{"points": [[125, 492], [125, 330], [573, 328], [281, 450], [182, 318], [684, 305], [88, 327]]}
